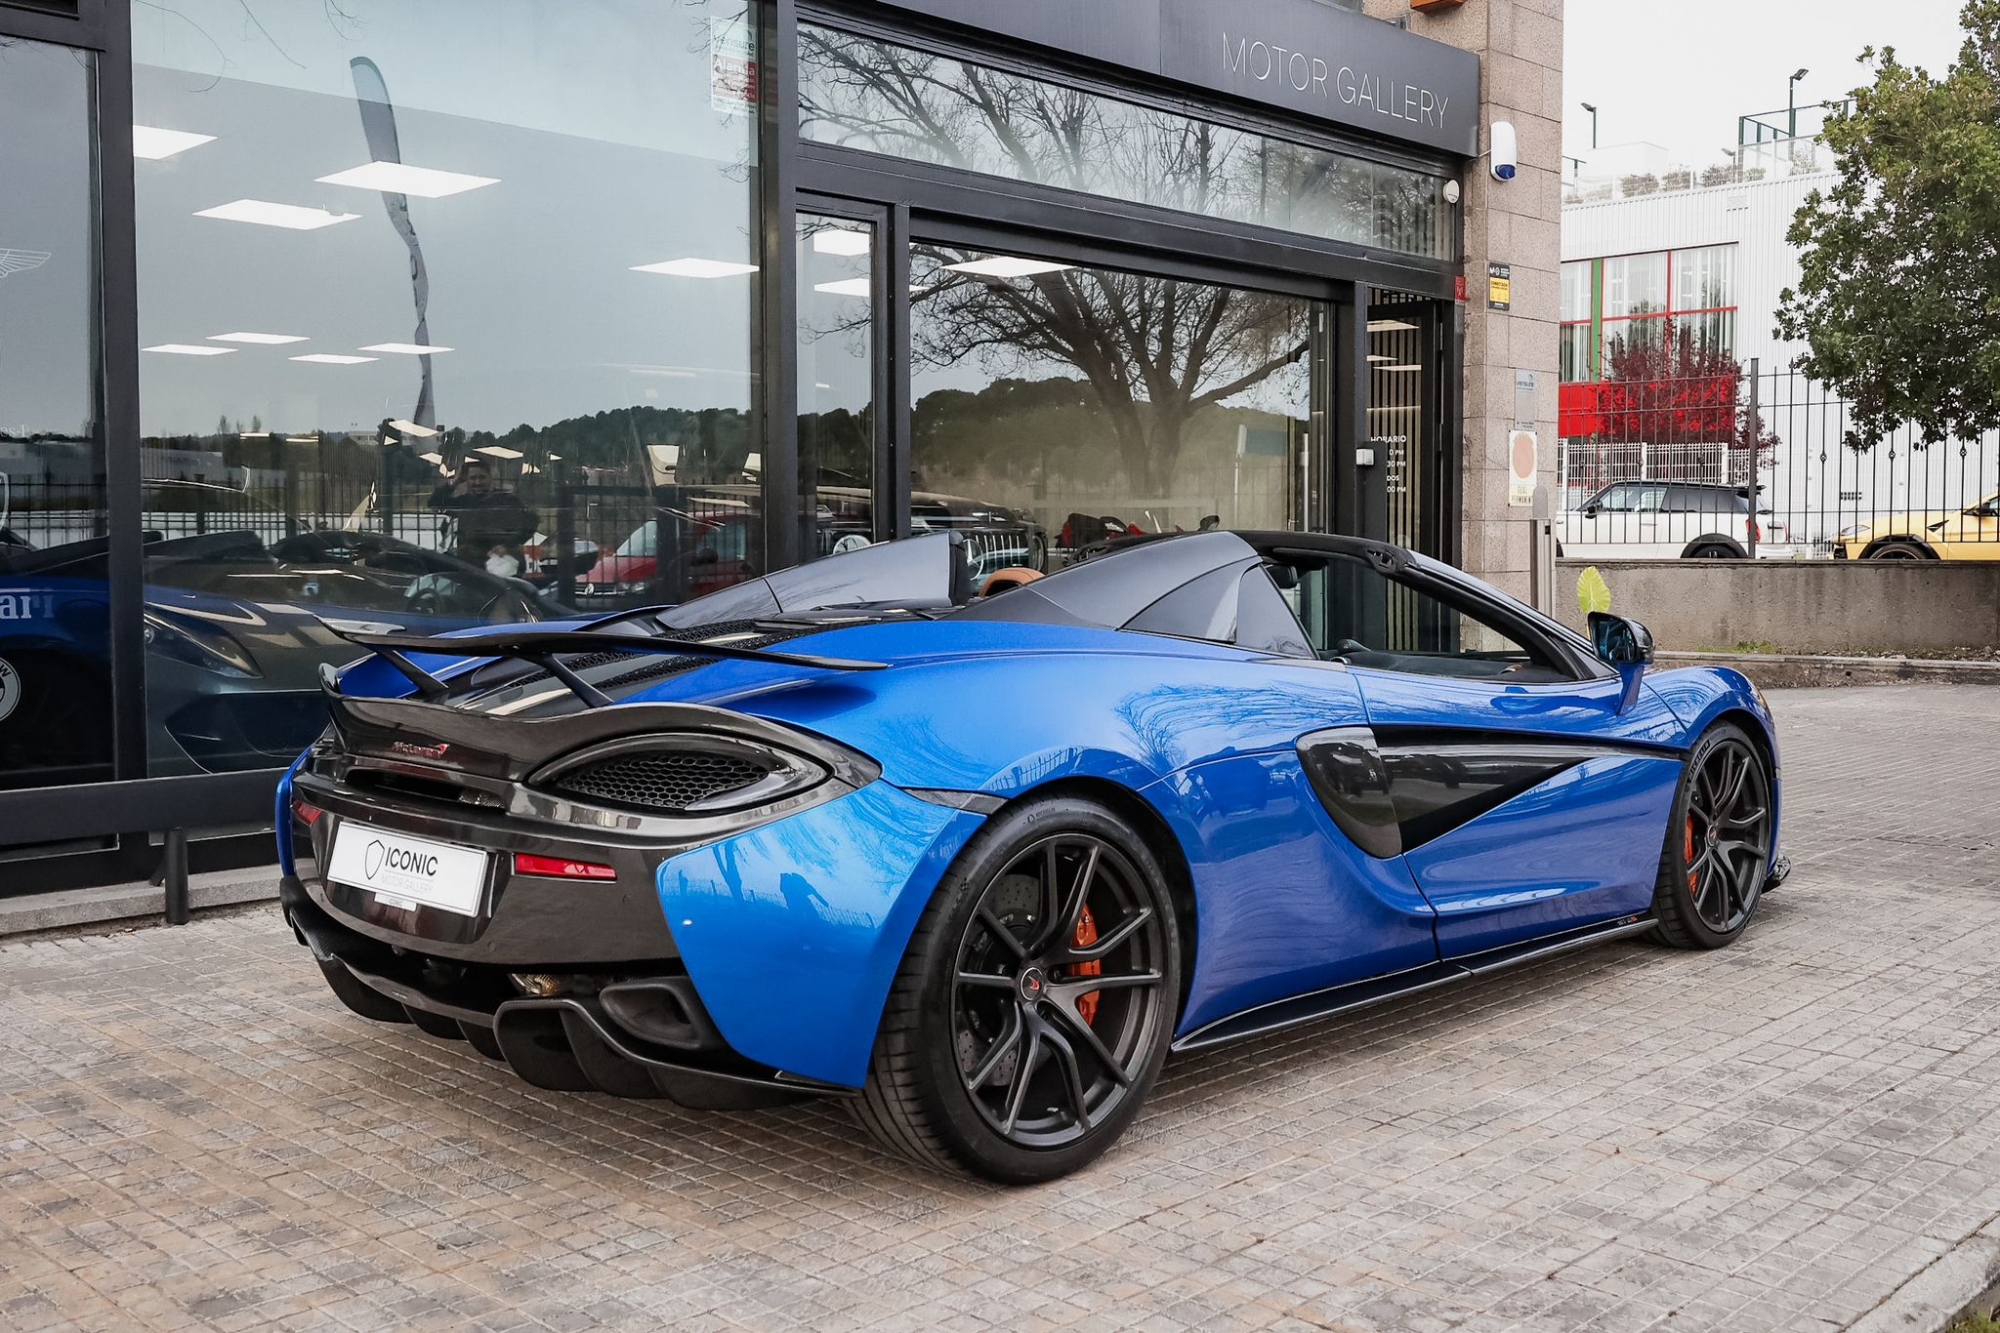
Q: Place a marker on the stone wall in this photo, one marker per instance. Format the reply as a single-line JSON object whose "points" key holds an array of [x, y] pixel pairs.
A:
{"points": [[1518, 223], [1920, 608]]}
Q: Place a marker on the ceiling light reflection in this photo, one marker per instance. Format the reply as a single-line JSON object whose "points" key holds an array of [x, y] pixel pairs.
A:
{"points": [[153, 143], [411, 428], [841, 241], [332, 359], [407, 349], [1007, 266], [261, 339], [189, 349], [401, 178], [266, 214], [696, 268]]}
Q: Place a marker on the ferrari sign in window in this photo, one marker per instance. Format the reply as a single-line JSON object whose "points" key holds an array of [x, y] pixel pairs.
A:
{"points": [[406, 872]]}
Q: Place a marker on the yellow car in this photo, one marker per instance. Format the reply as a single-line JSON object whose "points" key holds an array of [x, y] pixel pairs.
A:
{"points": [[1971, 534]]}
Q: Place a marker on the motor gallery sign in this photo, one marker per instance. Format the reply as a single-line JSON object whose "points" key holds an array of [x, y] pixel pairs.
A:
{"points": [[1378, 94], [1304, 56]]}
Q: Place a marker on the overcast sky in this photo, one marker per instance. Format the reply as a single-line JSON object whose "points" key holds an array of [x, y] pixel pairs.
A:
{"points": [[1679, 74]]}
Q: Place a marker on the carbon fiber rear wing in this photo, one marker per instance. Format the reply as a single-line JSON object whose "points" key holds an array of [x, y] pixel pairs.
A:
{"points": [[547, 648]]}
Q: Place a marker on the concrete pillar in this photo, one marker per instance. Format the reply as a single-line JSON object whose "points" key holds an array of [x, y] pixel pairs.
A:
{"points": [[1518, 223]]}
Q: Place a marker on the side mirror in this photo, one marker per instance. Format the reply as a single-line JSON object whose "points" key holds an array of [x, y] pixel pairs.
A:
{"points": [[1626, 645], [1590, 511], [1619, 641]]}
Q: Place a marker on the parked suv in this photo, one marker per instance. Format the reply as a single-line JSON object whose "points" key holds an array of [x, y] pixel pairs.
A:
{"points": [[1666, 520]]}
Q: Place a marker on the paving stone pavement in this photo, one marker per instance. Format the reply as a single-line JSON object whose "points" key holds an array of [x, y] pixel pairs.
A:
{"points": [[193, 1134]]}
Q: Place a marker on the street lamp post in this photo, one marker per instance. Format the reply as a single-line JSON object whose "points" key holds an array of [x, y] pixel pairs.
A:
{"points": [[1792, 102], [1593, 125]]}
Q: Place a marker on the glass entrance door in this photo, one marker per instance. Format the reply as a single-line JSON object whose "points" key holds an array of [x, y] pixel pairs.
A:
{"points": [[1057, 404]]}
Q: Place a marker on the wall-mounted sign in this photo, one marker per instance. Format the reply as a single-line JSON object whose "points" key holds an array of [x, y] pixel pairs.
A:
{"points": [[1499, 286], [1524, 457], [1395, 453], [1307, 57], [732, 60]]}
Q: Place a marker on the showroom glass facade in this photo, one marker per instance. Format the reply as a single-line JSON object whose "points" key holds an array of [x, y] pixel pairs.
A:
{"points": [[482, 311]]}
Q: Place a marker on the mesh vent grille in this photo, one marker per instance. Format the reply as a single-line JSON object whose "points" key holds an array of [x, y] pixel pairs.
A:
{"points": [[667, 781]]}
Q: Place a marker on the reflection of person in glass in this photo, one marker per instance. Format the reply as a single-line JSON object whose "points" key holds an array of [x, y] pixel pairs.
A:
{"points": [[492, 523]]}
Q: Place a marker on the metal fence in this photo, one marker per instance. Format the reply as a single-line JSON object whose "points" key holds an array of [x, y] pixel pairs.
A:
{"points": [[1759, 463]]}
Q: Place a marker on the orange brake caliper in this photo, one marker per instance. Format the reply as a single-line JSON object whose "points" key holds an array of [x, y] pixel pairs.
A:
{"points": [[1086, 935], [1694, 877]]}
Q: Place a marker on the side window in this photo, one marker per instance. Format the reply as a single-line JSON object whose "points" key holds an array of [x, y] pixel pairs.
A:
{"points": [[1354, 613], [1651, 499], [1616, 500]]}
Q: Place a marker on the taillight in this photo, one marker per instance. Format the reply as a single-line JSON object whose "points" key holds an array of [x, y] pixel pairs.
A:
{"points": [[555, 867], [1755, 535], [306, 813]]}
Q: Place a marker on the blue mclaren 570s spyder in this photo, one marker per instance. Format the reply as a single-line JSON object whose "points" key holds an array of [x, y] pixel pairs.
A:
{"points": [[976, 860]]}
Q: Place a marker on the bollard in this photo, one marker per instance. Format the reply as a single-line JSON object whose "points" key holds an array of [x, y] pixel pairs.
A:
{"points": [[174, 874]]}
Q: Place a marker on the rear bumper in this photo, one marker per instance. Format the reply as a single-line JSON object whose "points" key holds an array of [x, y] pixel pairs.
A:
{"points": [[641, 1033]]}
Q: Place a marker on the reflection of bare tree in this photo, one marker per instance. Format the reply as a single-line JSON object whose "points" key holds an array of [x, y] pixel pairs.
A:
{"points": [[866, 94], [1155, 350]]}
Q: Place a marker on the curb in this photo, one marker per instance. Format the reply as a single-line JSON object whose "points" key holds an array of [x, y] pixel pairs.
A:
{"points": [[1804, 671], [1964, 1280], [127, 905]]}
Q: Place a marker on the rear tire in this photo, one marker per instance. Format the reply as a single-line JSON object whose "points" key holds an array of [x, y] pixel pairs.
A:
{"points": [[1718, 848], [1035, 1003]]}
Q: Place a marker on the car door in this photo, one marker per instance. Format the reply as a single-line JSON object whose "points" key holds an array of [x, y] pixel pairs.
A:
{"points": [[1589, 529], [1528, 801], [1973, 534], [1652, 526]]}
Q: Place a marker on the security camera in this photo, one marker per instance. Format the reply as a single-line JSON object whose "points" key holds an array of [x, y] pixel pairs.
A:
{"points": [[1506, 150]]}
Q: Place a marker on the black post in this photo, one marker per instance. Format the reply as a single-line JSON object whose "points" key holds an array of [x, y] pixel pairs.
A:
{"points": [[566, 531], [1756, 428], [788, 520], [174, 871]]}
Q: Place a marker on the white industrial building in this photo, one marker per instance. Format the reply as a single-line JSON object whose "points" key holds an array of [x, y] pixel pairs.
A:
{"points": [[1644, 239]]}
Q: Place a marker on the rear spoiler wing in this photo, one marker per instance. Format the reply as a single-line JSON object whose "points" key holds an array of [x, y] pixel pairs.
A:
{"points": [[547, 648]]}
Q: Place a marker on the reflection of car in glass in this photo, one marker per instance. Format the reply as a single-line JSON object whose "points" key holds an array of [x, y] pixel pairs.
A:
{"points": [[235, 633], [976, 864], [1667, 520], [721, 533], [718, 555], [1968, 534]]}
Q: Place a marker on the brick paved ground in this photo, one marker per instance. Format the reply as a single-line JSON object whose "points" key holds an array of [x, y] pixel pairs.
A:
{"points": [[193, 1134]]}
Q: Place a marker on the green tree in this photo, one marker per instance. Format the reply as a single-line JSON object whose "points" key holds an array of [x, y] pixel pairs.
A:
{"points": [[1899, 303]]}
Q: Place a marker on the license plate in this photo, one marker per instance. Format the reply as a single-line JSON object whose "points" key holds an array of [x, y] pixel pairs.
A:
{"points": [[406, 872]]}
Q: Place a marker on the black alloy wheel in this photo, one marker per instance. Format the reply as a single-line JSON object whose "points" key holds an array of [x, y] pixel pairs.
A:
{"points": [[1036, 1003], [1718, 851], [1898, 550]]}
